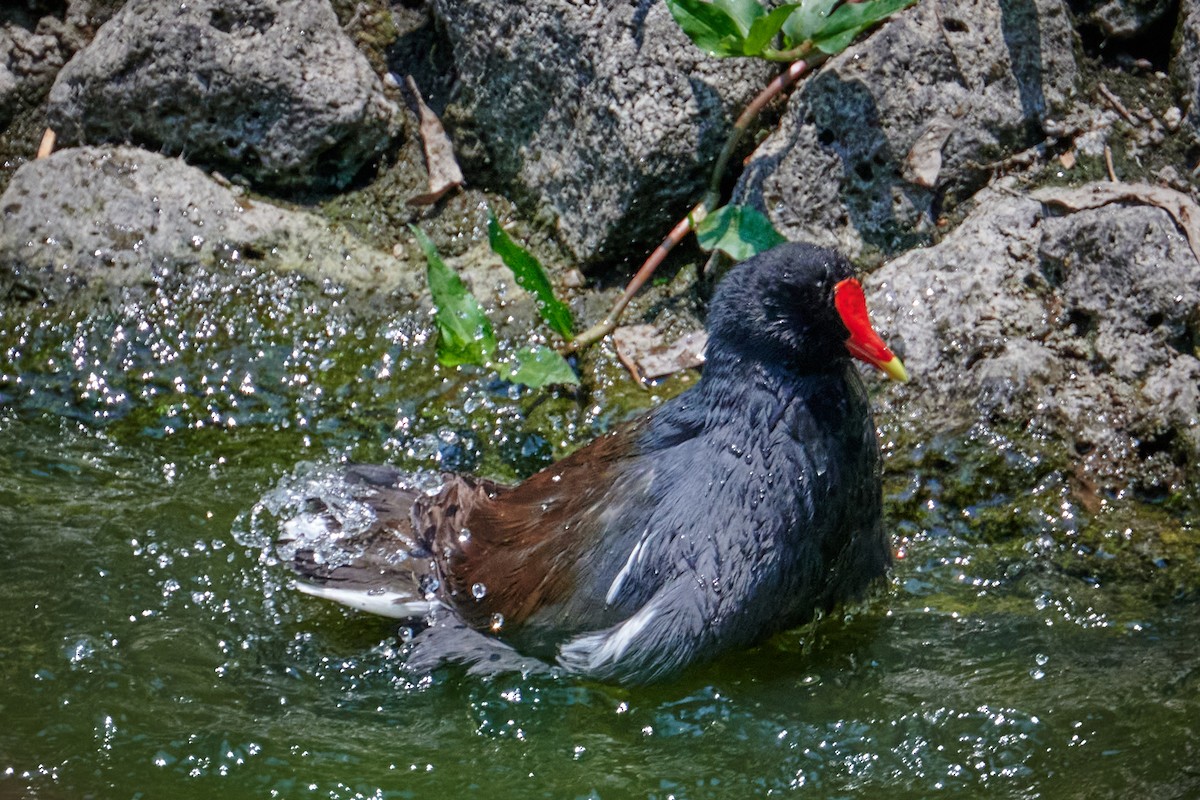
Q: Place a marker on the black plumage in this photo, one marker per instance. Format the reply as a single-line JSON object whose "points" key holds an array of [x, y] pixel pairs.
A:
{"points": [[738, 509]]}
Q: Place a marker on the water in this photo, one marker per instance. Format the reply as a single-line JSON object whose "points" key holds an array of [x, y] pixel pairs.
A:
{"points": [[1021, 648]]}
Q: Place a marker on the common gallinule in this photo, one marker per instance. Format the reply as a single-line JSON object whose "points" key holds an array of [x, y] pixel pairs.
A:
{"points": [[734, 511]]}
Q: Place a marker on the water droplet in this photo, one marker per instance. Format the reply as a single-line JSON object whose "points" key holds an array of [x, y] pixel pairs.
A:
{"points": [[497, 622], [80, 650], [405, 633], [478, 591]]}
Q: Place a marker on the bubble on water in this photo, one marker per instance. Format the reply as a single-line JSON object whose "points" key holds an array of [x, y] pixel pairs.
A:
{"points": [[80, 650], [318, 509]]}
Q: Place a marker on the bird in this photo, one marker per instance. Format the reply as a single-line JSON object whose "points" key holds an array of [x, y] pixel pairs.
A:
{"points": [[740, 508]]}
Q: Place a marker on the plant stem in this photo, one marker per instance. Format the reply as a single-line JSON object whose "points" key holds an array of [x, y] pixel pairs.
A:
{"points": [[609, 323], [794, 54], [793, 73]]}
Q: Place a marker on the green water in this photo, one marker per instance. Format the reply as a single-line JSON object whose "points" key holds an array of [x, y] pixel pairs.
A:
{"points": [[150, 648]]}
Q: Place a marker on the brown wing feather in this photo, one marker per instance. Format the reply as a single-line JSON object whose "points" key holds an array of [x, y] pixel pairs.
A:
{"points": [[525, 541]]}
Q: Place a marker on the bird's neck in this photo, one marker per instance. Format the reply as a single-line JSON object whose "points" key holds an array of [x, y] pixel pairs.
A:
{"points": [[744, 397], [731, 378]]}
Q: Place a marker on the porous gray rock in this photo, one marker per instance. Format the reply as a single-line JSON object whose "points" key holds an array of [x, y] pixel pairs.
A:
{"points": [[270, 91], [118, 216], [29, 60], [1123, 19], [906, 121], [603, 117], [1185, 66], [1081, 327]]}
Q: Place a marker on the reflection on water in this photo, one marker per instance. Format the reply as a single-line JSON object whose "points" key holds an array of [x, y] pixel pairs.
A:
{"points": [[1016, 652]]}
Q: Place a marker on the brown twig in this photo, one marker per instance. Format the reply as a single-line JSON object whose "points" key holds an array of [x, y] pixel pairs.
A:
{"points": [[1108, 163], [793, 73], [632, 368], [47, 145], [1116, 103]]}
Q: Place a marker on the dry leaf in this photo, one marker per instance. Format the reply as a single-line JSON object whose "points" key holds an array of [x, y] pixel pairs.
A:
{"points": [[642, 347], [443, 169], [1181, 207], [924, 160]]}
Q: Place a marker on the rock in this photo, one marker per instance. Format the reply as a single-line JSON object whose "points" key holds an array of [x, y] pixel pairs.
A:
{"points": [[602, 116], [271, 91], [28, 63], [1123, 19], [1185, 65], [1081, 327], [119, 216], [901, 124]]}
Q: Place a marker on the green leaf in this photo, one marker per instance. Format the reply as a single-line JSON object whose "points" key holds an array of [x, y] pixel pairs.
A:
{"points": [[531, 277], [833, 31], [738, 231], [806, 22], [540, 366], [742, 12], [763, 31], [709, 26], [464, 334]]}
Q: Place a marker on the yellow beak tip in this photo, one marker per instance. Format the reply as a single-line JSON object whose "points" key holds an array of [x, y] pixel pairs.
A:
{"points": [[895, 370]]}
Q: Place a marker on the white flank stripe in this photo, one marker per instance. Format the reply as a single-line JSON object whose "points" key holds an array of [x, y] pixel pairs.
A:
{"points": [[601, 647], [619, 640], [615, 587]]}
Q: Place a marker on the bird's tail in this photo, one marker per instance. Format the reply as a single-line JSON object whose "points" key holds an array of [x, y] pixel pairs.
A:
{"points": [[350, 536]]}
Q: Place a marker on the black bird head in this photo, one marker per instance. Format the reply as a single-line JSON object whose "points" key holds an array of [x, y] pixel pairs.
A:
{"points": [[800, 305]]}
